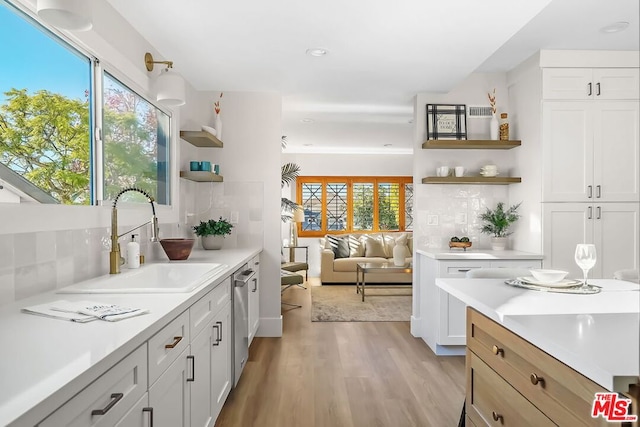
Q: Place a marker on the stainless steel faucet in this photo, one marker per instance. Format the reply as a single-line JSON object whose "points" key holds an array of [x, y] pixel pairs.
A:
{"points": [[115, 259]]}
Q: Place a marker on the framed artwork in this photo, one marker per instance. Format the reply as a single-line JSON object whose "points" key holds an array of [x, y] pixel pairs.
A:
{"points": [[446, 121]]}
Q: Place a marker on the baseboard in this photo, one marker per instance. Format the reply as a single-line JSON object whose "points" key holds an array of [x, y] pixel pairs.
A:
{"points": [[415, 326], [270, 327]]}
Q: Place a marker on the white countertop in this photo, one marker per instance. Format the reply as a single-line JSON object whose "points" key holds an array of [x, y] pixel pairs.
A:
{"points": [[597, 335], [475, 254], [46, 361]]}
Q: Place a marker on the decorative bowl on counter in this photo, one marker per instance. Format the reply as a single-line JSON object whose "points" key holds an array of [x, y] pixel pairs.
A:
{"points": [[177, 249], [548, 276]]}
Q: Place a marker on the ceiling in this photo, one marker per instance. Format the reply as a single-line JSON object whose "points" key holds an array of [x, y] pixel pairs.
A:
{"points": [[380, 53]]}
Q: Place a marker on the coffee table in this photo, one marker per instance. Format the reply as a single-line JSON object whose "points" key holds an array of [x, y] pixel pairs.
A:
{"points": [[379, 268]]}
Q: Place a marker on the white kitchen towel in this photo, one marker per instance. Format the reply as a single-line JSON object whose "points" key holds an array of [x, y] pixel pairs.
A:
{"points": [[102, 311], [47, 311]]}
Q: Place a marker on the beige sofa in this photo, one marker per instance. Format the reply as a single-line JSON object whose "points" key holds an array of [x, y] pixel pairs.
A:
{"points": [[362, 247]]}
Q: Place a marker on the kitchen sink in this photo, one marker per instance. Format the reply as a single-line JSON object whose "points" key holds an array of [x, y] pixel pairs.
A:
{"points": [[151, 278]]}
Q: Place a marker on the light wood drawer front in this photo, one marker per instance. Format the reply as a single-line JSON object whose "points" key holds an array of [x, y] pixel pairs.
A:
{"points": [[563, 394], [204, 310], [167, 344], [115, 392], [492, 401]]}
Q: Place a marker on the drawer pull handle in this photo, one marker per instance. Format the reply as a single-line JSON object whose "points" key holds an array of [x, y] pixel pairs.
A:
{"points": [[175, 342], [220, 329], [216, 340], [255, 285], [463, 270], [535, 379], [193, 368], [150, 411], [496, 416], [115, 398], [497, 351]]}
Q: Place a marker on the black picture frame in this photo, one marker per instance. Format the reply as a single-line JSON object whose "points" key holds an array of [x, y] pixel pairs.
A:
{"points": [[446, 121]]}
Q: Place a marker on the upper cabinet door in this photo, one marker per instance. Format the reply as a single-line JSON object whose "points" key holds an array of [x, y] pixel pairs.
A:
{"points": [[616, 83], [590, 83], [567, 83], [567, 135], [616, 146]]}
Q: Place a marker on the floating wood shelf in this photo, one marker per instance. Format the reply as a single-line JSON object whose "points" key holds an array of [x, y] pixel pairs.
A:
{"points": [[484, 180], [200, 176], [470, 144], [200, 138]]}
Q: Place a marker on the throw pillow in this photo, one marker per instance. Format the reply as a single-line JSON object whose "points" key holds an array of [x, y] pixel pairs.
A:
{"points": [[373, 248], [402, 240], [356, 248], [339, 246]]}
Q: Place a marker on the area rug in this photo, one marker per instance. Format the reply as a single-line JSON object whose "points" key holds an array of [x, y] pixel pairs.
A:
{"points": [[340, 303]]}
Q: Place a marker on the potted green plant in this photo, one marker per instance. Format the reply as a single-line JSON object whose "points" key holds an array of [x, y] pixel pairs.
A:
{"points": [[212, 232], [496, 222]]}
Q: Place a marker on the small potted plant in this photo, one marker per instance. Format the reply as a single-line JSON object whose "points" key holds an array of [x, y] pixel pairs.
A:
{"points": [[496, 223], [212, 232]]}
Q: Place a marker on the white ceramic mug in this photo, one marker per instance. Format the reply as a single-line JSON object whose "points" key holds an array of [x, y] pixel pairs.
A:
{"points": [[459, 170], [444, 170]]}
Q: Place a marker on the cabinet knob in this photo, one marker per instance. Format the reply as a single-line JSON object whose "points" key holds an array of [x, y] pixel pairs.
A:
{"points": [[497, 350], [535, 379], [496, 416]]}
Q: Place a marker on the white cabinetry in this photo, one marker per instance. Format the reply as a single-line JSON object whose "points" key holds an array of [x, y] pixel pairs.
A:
{"points": [[254, 298], [590, 83], [108, 400], [443, 316], [612, 227], [170, 395], [221, 362], [591, 151]]}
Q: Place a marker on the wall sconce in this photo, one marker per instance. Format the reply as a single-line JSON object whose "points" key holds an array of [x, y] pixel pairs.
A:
{"points": [[169, 86], [73, 15]]}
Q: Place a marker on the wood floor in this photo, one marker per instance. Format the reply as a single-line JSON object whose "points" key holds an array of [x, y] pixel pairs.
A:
{"points": [[349, 374]]}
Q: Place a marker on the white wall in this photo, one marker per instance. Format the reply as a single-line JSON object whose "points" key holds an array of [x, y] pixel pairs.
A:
{"points": [[340, 165], [525, 93]]}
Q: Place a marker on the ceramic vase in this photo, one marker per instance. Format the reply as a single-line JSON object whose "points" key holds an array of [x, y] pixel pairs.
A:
{"points": [[399, 254], [212, 242], [499, 243], [218, 126], [494, 128]]}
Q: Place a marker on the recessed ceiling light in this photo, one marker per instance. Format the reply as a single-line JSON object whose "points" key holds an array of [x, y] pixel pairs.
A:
{"points": [[615, 27], [387, 145], [307, 145], [317, 51], [307, 120]]}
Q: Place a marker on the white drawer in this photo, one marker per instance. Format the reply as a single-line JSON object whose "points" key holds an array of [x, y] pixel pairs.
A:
{"points": [[166, 345], [114, 393], [518, 263], [203, 311], [460, 268]]}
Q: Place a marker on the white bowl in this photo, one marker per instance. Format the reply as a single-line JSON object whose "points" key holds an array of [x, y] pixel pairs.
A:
{"points": [[548, 276]]}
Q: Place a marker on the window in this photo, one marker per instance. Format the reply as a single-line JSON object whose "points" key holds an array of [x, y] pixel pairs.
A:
{"points": [[47, 106], [346, 204], [135, 143], [45, 91]]}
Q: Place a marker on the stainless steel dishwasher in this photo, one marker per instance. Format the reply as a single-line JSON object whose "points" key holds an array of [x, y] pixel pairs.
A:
{"points": [[241, 278]]}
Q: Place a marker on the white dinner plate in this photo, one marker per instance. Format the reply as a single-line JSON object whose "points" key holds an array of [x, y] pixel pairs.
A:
{"points": [[561, 284]]}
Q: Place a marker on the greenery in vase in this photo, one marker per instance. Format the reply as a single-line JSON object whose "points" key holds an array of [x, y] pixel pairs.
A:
{"points": [[498, 221], [221, 227]]}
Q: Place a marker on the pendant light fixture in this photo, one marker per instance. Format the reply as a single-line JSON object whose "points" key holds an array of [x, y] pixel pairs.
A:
{"points": [[170, 88], [72, 15]]}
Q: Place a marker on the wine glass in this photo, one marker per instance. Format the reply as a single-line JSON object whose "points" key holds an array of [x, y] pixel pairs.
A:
{"points": [[586, 259]]}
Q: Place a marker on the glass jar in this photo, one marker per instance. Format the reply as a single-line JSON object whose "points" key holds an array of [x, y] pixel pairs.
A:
{"points": [[504, 127]]}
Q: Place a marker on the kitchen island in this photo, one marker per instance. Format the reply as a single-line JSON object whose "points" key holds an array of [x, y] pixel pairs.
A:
{"points": [[46, 362], [518, 333]]}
